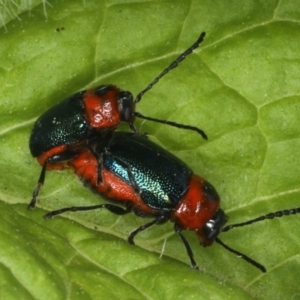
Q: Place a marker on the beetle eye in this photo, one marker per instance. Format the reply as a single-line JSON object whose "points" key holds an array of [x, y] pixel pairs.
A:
{"points": [[126, 106], [127, 113], [213, 227]]}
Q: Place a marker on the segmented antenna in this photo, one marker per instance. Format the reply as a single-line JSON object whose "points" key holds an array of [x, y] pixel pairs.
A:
{"points": [[174, 124], [273, 215], [173, 65]]}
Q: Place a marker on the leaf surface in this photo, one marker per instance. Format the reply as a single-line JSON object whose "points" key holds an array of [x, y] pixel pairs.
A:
{"points": [[241, 87]]}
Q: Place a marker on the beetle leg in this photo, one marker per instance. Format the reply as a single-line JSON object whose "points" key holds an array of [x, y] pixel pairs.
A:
{"points": [[158, 220], [187, 247], [117, 210], [68, 155], [132, 128], [99, 161], [112, 208], [132, 180], [97, 146], [37, 189]]}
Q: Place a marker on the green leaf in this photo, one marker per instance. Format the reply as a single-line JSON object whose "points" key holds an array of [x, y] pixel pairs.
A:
{"points": [[241, 86]]}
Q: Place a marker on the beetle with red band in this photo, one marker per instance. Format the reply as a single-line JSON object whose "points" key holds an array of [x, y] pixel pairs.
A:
{"points": [[149, 181], [87, 118]]}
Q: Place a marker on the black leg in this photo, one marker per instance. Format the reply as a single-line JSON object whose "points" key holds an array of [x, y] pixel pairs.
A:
{"points": [[187, 247], [132, 180], [37, 189], [99, 161], [97, 146], [112, 208], [132, 128], [157, 220], [54, 159]]}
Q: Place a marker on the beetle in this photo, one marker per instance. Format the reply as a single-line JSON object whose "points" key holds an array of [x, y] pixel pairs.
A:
{"points": [[141, 177], [90, 117]]}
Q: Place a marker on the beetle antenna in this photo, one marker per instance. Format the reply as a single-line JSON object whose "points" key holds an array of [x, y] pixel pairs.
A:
{"points": [[173, 65], [243, 256], [174, 124], [273, 215]]}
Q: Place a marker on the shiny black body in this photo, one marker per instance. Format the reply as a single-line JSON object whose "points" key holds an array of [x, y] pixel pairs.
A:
{"points": [[66, 122], [161, 177], [62, 124]]}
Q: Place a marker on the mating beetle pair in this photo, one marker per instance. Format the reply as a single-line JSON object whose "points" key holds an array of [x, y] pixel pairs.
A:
{"points": [[89, 118], [128, 168]]}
